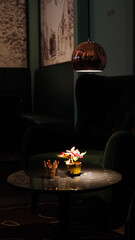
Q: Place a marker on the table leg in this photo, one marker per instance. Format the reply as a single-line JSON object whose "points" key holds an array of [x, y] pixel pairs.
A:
{"points": [[64, 211], [34, 201]]}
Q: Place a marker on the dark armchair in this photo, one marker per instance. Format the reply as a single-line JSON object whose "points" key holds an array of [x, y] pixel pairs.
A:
{"points": [[105, 105]]}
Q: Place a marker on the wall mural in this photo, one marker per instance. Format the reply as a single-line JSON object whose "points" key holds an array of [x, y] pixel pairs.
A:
{"points": [[56, 31], [13, 50]]}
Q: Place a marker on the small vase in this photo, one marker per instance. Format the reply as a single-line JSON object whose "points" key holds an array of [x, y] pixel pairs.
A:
{"points": [[51, 168], [73, 168]]}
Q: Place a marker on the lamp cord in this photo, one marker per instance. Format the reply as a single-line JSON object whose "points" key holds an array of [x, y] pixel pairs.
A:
{"points": [[89, 19]]}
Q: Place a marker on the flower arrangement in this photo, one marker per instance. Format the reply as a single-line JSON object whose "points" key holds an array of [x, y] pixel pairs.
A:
{"points": [[71, 155]]}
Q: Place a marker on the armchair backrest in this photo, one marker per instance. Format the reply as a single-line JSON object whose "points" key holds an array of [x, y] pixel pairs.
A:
{"points": [[130, 224], [104, 105]]}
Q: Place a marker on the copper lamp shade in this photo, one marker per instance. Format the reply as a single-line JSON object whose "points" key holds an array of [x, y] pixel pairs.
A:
{"points": [[89, 57]]}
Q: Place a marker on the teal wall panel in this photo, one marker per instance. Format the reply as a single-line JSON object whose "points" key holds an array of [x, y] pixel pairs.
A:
{"points": [[112, 27]]}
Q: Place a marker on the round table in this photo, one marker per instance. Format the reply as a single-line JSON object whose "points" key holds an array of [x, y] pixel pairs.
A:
{"points": [[90, 179]]}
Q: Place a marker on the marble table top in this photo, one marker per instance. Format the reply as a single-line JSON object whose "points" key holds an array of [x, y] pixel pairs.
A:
{"points": [[89, 179]]}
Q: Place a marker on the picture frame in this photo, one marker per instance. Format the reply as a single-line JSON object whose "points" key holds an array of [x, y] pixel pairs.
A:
{"points": [[56, 31], [13, 34]]}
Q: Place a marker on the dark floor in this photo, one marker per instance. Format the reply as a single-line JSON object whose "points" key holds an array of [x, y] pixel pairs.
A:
{"points": [[17, 220]]}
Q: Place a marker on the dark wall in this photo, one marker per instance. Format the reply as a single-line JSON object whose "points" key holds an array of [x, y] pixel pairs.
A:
{"points": [[54, 91]]}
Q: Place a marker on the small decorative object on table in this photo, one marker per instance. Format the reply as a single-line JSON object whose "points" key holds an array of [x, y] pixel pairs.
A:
{"points": [[51, 169], [73, 166]]}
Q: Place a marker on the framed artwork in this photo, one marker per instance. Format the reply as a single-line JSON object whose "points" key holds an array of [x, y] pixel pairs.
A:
{"points": [[57, 31], [13, 46]]}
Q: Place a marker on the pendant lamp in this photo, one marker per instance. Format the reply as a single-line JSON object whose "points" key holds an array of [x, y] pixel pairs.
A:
{"points": [[89, 56]]}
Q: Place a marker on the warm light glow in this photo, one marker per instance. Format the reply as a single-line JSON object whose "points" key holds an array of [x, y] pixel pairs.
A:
{"points": [[89, 71], [89, 57]]}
